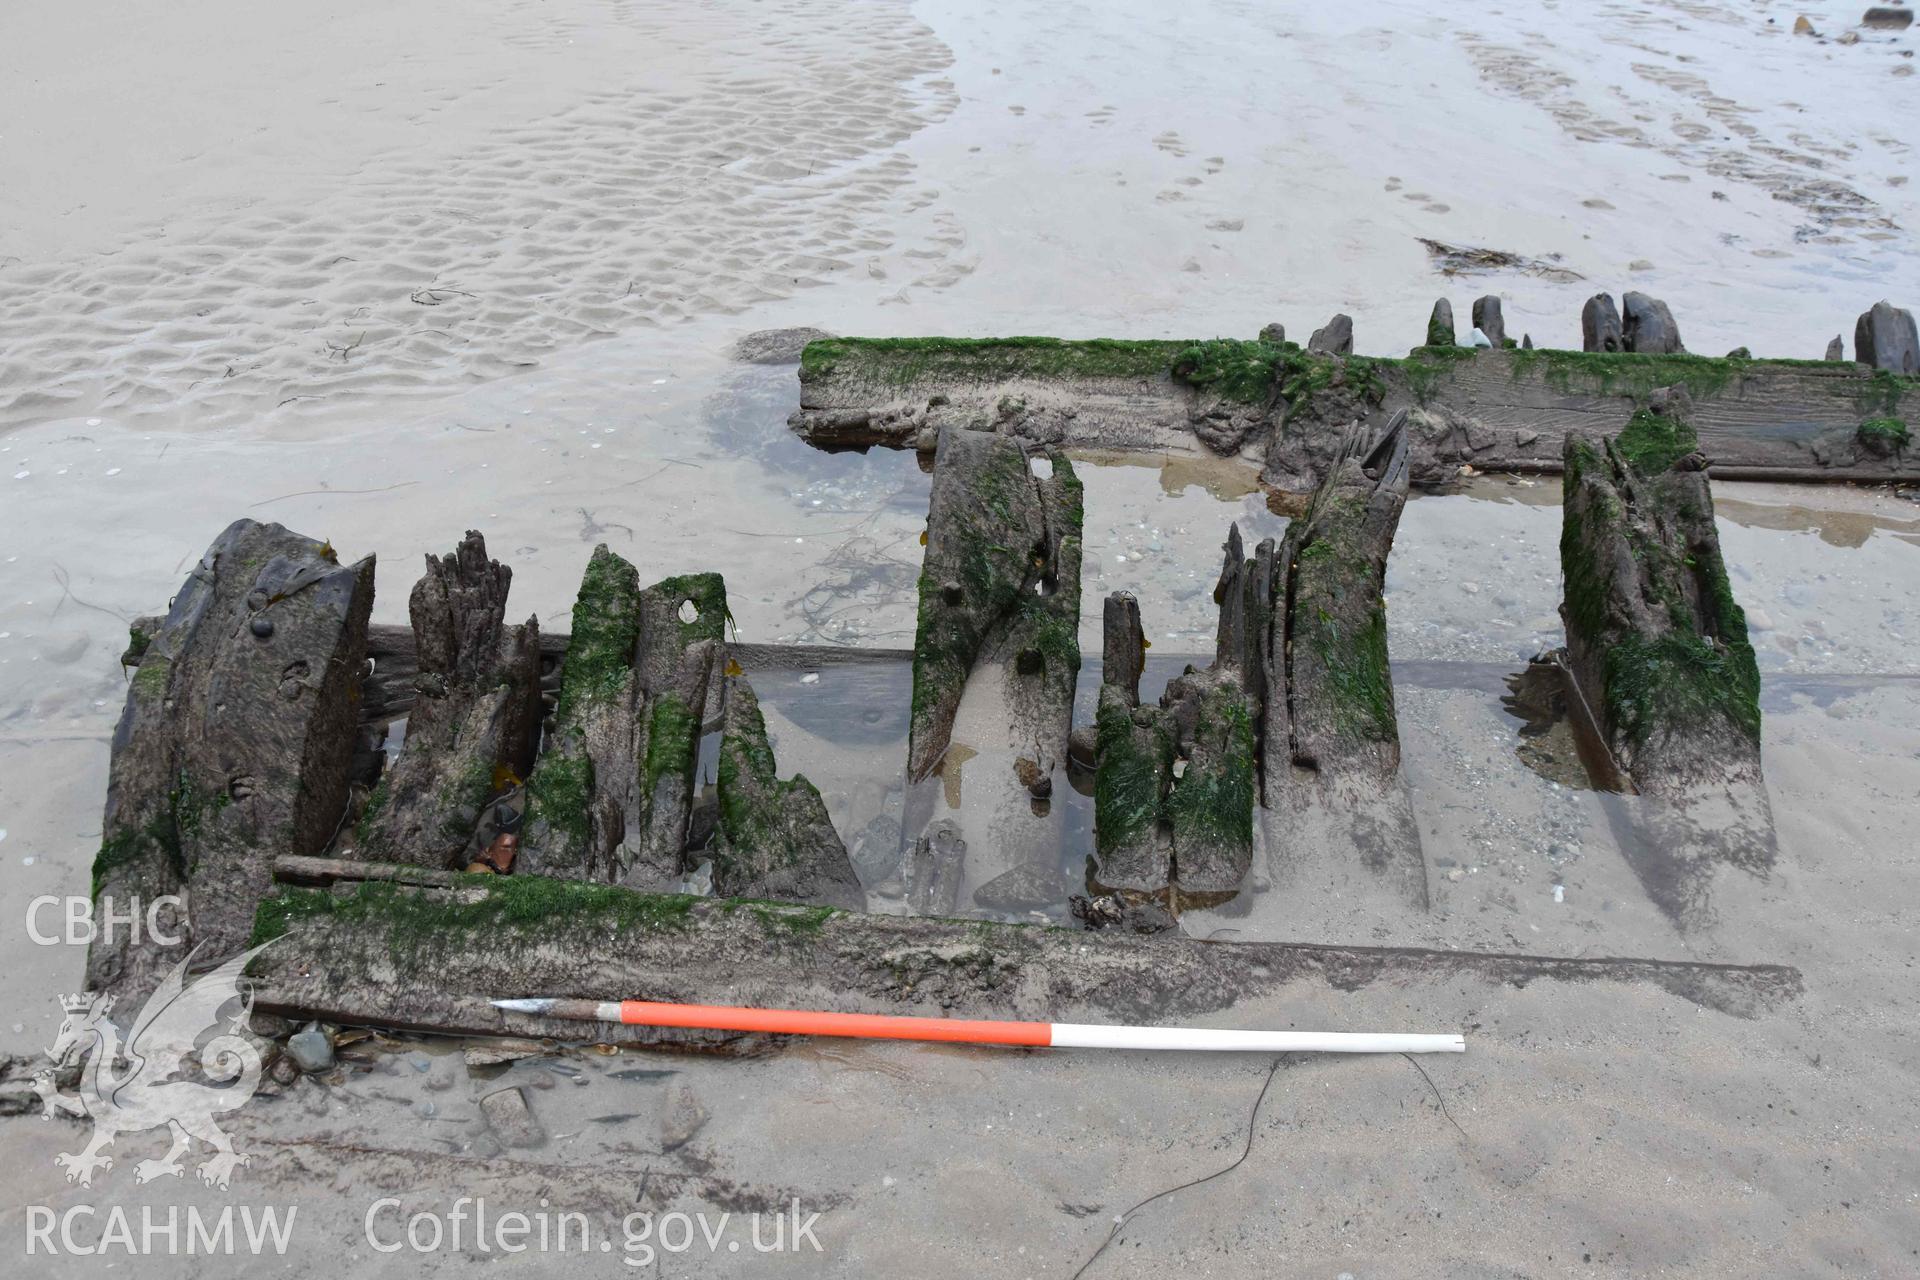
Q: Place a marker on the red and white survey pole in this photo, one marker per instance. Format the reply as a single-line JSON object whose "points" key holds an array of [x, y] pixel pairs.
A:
{"points": [[1057, 1035]]}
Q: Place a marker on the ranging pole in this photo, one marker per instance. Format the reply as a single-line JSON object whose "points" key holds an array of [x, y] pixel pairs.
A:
{"points": [[1059, 1035]]}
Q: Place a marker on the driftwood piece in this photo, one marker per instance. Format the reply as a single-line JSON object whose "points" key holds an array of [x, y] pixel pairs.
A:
{"points": [[1000, 585], [389, 954], [235, 742], [776, 840], [474, 724], [1659, 647], [1332, 744], [1174, 784], [1489, 409]]}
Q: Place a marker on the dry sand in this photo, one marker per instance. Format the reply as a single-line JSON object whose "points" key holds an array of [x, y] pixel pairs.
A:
{"points": [[341, 268]]}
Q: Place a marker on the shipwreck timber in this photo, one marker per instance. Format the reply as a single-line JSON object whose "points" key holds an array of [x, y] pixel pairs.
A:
{"points": [[475, 722], [1658, 646], [395, 946], [1267, 778], [1174, 784], [1287, 408], [235, 742], [1000, 586], [612, 795], [1333, 792]]}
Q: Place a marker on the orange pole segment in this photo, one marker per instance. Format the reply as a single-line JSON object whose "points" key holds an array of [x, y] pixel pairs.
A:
{"points": [[871, 1026]]}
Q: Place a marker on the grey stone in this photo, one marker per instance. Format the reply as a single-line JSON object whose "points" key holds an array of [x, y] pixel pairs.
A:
{"points": [[1600, 325], [1488, 320], [1886, 18], [1024, 888], [1276, 333], [1739, 353], [512, 1119], [683, 1118], [1884, 337], [1837, 349], [1080, 746], [1648, 327], [310, 1050], [1336, 339], [1440, 332]]}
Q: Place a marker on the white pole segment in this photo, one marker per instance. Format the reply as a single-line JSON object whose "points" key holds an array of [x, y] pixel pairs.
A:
{"points": [[1076, 1035]]}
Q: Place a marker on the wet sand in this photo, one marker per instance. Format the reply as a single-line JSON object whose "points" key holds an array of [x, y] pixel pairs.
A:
{"points": [[384, 276]]}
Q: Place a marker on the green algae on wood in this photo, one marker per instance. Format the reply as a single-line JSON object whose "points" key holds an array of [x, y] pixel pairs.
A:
{"points": [[606, 626], [1659, 648], [1134, 751], [1665, 647], [904, 362], [775, 837], [675, 660], [504, 909], [1209, 809], [1001, 574], [1883, 437], [1174, 784], [571, 795], [1331, 778]]}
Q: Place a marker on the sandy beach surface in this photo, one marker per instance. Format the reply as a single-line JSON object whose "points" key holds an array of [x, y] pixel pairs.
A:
{"points": [[384, 273]]}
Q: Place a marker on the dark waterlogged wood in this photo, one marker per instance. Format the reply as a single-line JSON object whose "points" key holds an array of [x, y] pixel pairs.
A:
{"points": [[1659, 648], [1332, 785], [429, 957], [474, 723], [235, 741]]}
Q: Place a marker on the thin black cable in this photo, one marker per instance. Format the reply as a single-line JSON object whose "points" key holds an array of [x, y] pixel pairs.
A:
{"points": [[1121, 1221]]}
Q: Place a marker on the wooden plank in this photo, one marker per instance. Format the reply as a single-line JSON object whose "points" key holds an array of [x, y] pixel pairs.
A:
{"points": [[1491, 409], [389, 954]]}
